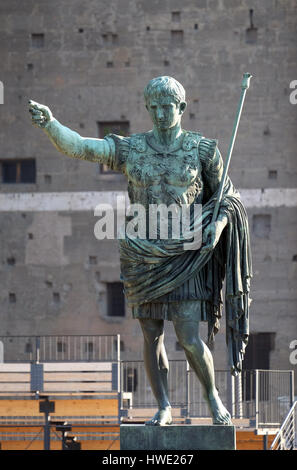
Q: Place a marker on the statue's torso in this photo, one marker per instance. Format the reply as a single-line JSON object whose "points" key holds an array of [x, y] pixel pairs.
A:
{"points": [[157, 177]]}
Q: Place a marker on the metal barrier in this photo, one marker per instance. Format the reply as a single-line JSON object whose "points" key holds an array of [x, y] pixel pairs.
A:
{"points": [[261, 396], [134, 379], [274, 396], [264, 396], [59, 348]]}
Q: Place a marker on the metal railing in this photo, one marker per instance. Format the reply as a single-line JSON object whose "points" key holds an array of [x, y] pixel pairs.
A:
{"points": [[59, 348], [261, 396], [286, 437], [184, 389], [274, 396]]}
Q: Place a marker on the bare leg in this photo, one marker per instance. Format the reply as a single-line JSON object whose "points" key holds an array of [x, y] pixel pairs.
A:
{"points": [[200, 359], [157, 366]]}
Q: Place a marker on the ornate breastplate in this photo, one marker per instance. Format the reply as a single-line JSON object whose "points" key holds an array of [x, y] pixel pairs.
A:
{"points": [[155, 176]]}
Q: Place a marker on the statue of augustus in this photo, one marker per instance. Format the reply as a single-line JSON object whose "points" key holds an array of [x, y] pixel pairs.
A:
{"points": [[163, 280]]}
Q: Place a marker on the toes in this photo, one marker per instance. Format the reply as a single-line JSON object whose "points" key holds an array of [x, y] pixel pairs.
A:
{"points": [[151, 422], [160, 419], [223, 419], [226, 419]]}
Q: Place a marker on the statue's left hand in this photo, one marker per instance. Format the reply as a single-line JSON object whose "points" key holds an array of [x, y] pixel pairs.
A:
{"points": [[211, 235]]}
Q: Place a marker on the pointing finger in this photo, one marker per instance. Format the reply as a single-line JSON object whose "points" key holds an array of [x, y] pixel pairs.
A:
{"points": [[35, 105]]}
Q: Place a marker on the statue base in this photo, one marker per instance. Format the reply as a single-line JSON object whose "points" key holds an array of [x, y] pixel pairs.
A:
{"points": [[177, 437]]}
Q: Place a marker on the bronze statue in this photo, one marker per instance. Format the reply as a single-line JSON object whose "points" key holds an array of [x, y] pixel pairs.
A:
{"points": [[163, 280]]}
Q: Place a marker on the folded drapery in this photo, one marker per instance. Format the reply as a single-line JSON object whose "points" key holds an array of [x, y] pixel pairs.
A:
{"points": [[151, 268]]}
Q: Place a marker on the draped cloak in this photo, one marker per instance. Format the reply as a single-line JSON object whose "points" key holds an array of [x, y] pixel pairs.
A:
{"points": [[152, 268]]}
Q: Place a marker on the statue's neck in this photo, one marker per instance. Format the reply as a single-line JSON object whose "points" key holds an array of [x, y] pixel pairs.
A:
{"points": [[167, 137]]}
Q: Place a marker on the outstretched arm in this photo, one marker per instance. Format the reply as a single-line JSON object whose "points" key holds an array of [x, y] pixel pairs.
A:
{"points": [[70, 142]]}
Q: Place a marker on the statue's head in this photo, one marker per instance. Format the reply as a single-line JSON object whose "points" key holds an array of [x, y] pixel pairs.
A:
{"points": [[165, 101]]}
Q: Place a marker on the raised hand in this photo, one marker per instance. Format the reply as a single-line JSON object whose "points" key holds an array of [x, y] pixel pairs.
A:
{"points": [[41, 114]]}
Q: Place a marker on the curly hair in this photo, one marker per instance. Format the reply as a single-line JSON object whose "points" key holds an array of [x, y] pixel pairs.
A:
{"points": [[164, 86]]}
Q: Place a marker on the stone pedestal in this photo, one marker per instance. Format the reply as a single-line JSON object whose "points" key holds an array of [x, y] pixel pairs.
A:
{"points": [[177, 437]]}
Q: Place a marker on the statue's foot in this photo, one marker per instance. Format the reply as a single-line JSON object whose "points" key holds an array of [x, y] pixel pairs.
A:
{"points": [[219, 413], [162, 418]]}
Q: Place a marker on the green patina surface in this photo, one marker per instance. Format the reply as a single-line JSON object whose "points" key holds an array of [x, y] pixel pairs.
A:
{"points": [[163, 280]]}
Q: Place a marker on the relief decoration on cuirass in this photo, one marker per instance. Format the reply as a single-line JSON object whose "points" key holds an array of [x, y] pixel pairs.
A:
{"points": [[172, 176]]}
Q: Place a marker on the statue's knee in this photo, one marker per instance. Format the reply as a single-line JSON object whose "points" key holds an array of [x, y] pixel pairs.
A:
{"points": [[189, 344]]}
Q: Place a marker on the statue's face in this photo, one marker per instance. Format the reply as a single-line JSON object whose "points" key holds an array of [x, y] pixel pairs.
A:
{"points": [[165, 112]]}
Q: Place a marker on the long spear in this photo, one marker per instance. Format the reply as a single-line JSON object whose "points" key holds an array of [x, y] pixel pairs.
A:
{"points": [[244, 86]]}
